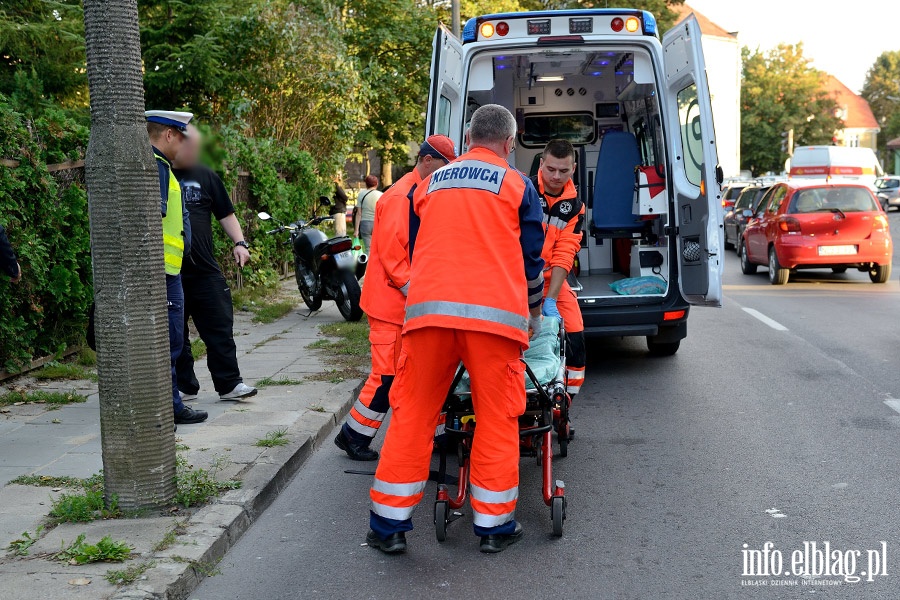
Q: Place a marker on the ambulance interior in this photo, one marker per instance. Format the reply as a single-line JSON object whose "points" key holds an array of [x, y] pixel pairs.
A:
{"points": [[603, 100]]}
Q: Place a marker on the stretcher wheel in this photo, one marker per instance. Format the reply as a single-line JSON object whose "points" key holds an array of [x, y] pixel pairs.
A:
{"points": [[563, 437], [558, 514], [441, 511]]}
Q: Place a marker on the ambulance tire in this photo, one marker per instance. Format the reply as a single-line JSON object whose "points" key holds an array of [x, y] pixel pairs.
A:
{"points": [[348, 294]]}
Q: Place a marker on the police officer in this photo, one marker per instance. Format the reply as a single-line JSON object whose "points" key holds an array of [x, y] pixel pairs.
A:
{"points": [[384, 298], [476, 286], [563, 226], [167, 131]]}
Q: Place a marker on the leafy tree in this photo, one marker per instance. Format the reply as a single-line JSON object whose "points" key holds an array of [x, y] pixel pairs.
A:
{"points": [[184, 48], [661, 9], [781, 91], [882, 91], [42, 54]]}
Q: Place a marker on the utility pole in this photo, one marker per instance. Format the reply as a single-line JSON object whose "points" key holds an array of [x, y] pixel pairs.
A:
{"points": [[454, 6]]}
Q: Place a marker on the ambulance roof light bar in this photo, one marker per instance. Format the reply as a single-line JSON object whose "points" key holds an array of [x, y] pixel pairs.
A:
{"points": [[646, 20]]}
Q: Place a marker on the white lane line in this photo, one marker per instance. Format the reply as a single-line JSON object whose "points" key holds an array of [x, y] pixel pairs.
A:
{"points": [[770, 322], [892, 403]]}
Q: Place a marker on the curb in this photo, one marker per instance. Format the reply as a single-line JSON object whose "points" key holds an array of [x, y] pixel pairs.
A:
{"points": [[217, 527]]}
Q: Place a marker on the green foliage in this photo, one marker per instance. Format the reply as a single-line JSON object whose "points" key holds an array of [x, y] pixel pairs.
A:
{"points": [[198, 348], [273, 439], [269, 312], [56, 370], [269, 381], [63, 481], [83, 507], [48, 226], [661, 9], [40, 397], [20, 546], [107, 549], [781, 91], [129, 574], [882, 91], [198, 486]]}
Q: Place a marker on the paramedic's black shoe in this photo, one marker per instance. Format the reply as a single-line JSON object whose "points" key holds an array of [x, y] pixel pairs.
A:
{"points": [[393, 544], [354, 451], [188, 415], [498, 543]]}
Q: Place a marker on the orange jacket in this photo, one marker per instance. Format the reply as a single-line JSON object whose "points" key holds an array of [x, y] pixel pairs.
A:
{"points": [[563, 224], [476, 259], [387, 274]]}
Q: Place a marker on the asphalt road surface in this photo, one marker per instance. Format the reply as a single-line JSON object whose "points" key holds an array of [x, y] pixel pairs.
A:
{"points": [[775, 422]]}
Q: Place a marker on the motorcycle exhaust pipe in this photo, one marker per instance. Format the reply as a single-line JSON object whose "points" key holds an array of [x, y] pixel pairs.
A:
{"points": [[361, 261]]}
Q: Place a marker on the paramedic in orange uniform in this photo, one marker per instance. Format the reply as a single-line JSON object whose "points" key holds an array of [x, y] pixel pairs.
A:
{"points": [[384, 298], [563, 225], [476, 289]]}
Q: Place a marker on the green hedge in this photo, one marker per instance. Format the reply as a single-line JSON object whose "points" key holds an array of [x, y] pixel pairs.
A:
{"points": [[48, 225]]}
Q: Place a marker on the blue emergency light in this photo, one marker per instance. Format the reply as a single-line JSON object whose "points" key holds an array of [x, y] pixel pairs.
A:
{"points": [[648, 21]]}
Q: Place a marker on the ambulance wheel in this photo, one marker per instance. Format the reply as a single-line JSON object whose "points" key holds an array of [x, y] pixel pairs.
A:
{"points": [[558, 514], [441, 510]]}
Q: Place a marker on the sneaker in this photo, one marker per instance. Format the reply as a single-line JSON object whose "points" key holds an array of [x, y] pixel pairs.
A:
{"points": [[187, 397], [492, 544], [188, 415], [394, 544], [240, 391]]}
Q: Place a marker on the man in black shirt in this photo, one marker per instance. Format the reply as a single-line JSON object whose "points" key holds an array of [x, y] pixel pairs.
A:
{"points": [[207, 297], [8, 262]]}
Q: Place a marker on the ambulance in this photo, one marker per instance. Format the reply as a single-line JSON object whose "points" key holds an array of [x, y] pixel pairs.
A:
{"points": [[637, 109], [836, 163]]}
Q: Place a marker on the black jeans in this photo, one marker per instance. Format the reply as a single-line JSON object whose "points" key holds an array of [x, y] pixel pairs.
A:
{"points": [[207, 300]]}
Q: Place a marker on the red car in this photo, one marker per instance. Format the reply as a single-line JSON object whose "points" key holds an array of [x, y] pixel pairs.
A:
{"points": [[815, 225]]}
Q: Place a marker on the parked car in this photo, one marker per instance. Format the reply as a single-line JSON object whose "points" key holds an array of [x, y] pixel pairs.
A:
{"points": [[815, 225], [747, 205], [730, 193], [888, 192]]}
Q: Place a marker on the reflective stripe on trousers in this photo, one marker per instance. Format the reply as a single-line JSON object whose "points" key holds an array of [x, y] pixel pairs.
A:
{"points": [[403, 498], [467, 311]]}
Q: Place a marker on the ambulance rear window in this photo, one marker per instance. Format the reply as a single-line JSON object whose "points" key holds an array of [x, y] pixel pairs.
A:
{"points": [[578, 128]]}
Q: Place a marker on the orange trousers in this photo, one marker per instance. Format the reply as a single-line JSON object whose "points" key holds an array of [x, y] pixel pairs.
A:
{"points": [[576, 358], [370, 409], [428, 362]]}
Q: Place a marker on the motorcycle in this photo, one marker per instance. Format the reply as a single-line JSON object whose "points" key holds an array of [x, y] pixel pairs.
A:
{"points": [[325, 269]]}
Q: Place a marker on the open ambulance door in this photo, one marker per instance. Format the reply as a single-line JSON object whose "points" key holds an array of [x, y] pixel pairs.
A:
{"points": [[445, 102], [696, 174]]}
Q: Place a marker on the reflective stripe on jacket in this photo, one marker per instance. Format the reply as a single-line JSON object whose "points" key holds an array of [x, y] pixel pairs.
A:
{"points": [[387, 274], [476, 263]]}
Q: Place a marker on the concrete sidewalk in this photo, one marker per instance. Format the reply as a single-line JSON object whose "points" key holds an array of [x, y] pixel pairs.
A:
{"points": [[35, 440]]}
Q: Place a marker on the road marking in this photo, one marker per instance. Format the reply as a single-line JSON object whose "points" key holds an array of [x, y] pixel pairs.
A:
{"points": [[770, 322], [892, 403]]}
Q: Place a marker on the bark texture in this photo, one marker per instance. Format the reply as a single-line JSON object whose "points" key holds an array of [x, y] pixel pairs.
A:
{"points": [[129, 279]]}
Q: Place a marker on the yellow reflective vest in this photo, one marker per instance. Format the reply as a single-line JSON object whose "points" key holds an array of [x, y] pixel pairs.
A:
{"points": [[173, 222]]}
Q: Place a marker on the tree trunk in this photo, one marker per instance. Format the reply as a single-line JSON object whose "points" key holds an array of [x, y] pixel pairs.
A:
{"points": [[129, 283], [387, 177]]}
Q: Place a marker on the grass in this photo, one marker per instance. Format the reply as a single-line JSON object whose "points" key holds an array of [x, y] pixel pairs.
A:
{"points": [[269, 312], [207, 569], [274, 438], [316, 408], [86, 357], [84, 507], [198, 486], [40, 397], [128, 575], [20, 547], [198, 348], [106, 550], [268, 381], [49, 481], [169, 539], [266, 341], [336, 376], [347, 347], [55, 371]]}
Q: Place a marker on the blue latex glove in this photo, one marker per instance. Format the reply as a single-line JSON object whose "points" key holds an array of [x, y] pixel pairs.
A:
{"points": [[549, 309]]}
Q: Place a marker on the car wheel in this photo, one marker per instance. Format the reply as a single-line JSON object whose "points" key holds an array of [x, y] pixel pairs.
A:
{"points": [[662, 348], [777, 274], [880, 273], [747, 267], [838, 270]]}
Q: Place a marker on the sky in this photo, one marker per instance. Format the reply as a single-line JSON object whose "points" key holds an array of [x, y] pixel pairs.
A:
{"points": [[841, 37]]}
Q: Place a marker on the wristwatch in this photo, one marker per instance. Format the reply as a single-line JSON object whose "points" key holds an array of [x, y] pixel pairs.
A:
{"points": [[242, 243]]}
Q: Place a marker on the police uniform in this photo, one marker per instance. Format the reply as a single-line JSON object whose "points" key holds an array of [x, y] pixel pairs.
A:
{"points": [[476, 272], [563, 226], [176, 241]]}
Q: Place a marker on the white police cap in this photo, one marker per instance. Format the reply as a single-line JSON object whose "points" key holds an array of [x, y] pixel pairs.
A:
{"points": [[178, 120]]}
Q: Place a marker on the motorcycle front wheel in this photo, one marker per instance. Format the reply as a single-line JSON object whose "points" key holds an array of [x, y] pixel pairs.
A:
{"points": [[312, 302], [347, 295]]}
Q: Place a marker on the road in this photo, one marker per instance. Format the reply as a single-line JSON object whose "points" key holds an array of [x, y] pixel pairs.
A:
{"points": [[768, 426]]}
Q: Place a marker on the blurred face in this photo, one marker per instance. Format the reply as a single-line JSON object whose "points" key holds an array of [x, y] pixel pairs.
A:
{"points": [[556, 172], [189, 150]]}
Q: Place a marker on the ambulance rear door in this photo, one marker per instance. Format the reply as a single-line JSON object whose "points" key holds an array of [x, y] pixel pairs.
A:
{"points": [[695, 170], [445, 102]]}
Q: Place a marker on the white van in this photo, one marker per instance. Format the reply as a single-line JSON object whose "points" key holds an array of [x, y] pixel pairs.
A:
{"points": [[637, 109], [858, 165]]}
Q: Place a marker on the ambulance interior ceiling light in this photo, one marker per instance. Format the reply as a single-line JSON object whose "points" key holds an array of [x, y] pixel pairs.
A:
{"points": [[548, 78]]}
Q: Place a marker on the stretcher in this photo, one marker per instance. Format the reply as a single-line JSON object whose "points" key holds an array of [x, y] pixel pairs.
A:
{"points": [[546, 413]]}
